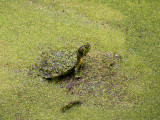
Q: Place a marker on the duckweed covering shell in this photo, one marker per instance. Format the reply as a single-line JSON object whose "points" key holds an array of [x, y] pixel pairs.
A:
{"points": [[55, 63]]}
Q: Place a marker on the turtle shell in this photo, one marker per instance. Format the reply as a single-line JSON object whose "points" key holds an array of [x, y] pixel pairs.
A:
{"points": [[56, 63]]}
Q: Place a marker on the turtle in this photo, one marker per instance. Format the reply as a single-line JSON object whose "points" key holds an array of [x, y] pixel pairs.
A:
{"points": [[58, 64]]}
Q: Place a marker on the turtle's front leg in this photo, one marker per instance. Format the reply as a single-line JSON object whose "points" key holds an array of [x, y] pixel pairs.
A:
{"points": [[78, 73]]}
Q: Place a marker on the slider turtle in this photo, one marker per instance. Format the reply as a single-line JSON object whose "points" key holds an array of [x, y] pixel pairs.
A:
{"points": [[58, 64]]}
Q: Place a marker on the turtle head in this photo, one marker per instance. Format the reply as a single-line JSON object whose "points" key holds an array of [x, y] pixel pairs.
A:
{"points": [[83, 50]]}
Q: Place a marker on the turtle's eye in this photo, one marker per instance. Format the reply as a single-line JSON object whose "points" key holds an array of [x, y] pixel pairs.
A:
{"points": [[83, 49]]}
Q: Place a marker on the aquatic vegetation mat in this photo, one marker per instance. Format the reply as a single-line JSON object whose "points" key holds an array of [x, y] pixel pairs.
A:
{"points": [[102, 81]]}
